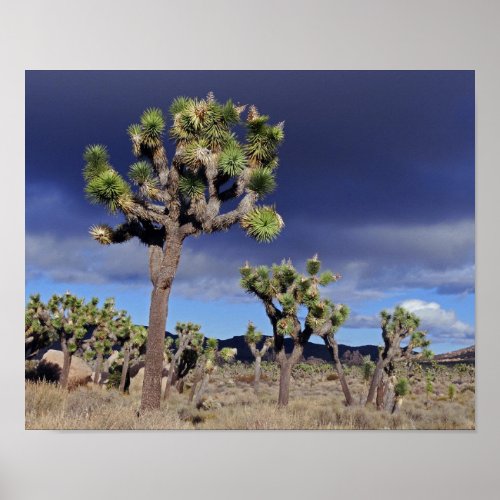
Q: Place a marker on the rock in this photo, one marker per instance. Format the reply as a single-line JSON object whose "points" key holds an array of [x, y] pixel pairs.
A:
{"points": [[135, 386], [51, 364], [111, 359]]}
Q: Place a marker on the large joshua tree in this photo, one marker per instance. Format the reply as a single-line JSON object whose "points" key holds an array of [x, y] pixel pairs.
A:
{"points": [[286, 294], [164, 202], [399, 327], [253, 337]]}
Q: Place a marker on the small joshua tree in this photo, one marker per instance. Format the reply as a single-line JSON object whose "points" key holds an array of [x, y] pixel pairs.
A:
{"points": [[401, 389], [37, 332], [451, 392], [397, 327], [205, 366], [429, 388], [253, 338], [65, 318], [189, 337], [166, 203], [283, 291], [100, 344], [132, 339]]}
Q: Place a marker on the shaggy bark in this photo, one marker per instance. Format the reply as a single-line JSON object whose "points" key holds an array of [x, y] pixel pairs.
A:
{"points": [[286, 363], [126, 361], [333, 349], [64, 377], [98, 368], [162, 276], [376, 380], [198, 398]]}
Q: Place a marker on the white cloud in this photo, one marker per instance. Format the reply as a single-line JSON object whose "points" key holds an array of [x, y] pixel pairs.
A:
{"points": [[442, 324]]}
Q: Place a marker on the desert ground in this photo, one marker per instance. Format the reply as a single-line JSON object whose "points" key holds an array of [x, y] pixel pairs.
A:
{"points": [[316, 402]]}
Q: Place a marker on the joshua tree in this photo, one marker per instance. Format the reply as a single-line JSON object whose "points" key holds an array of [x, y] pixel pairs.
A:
{"points": [[205, 366], [131, 338], [451, 392], [100, 344], [401, 389], [189, 337], [283, 291], [252, 338], [37, 333], [429, 388], [65, 318], [397, 327], [165, 203]]}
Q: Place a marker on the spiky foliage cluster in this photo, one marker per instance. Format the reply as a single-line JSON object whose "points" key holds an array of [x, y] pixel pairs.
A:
{"points": [[130, 336], [402, 387], [284, 291], [210, 165], [252, 335], [367, 368], [107, 321]]}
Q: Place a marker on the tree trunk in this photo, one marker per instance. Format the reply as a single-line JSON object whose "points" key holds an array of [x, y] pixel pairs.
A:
{"points": [[376, 379], [332, 346], [256, 379], [126, 361], [381, 388], [162, 276], [398, 402], [196, 379], [64, 377], [170, 377], [285, 375], [286, 364], [201, 390], [98, 368]]}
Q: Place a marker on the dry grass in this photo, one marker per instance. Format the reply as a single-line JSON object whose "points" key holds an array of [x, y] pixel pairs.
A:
{"points": [[316, 402]]}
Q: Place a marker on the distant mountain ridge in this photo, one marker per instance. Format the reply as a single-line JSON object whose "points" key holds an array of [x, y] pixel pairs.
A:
{"points": [[311, 350], [466, 355]]}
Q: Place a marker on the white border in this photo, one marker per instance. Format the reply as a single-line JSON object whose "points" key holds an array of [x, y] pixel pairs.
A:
{"points": [[252, 34]]}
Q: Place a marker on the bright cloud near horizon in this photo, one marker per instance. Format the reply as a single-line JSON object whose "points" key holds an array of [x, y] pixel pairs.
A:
{"points": [[376, 176]]}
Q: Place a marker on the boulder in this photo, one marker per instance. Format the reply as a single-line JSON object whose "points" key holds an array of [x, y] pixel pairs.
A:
{"points": [[136, 381], [80, 372]]}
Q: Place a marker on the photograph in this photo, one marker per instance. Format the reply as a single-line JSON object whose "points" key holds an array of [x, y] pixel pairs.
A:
{"points": [[250, 250]]}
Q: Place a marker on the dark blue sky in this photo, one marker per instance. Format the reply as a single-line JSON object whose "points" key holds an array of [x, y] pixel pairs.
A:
{"points": [[376, 175]]}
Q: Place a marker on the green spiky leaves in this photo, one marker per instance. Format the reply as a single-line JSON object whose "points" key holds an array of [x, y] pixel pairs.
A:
{"points": [[152, 126], [191, 186], [107, 189], [313, 265], [263, 139], [232, 160], [102, 233], [96, 161], [141, 173], [252, 335], [262, 182], [179, 105], [402, 387], [284, 326], [263, 224]]}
